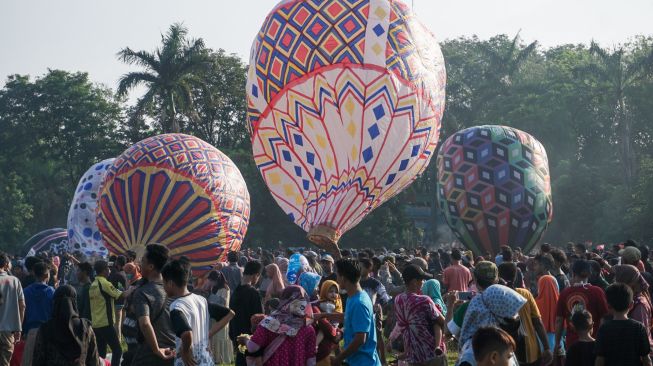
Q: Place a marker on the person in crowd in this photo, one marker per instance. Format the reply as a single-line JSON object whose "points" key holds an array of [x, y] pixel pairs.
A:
{"points": [[38, 298], [276, 282], [132, 272], [456, 277], [233, 272], [309, 281], [621, 341], [507, 254], [360, 339], [418, 321], [118, 279], [130, 329], [531, 322], [330, 301], [84, 278], [327, 334], [328, 274], [494, 305], [223, 352], [581, 295], [29, 266], [379, 296], [559, 261], [102, 296], [190, 316], [582, 352], [286, 337], [65, 339], [12, 310], [641, 310], [312, 259], [493, 347], [431, 288], [245, 302], [283, 267], [596, 276], [547, 300], [151, 310]]}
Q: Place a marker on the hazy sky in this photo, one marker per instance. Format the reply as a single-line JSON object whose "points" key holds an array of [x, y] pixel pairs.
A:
{"points": [[84, 35]]}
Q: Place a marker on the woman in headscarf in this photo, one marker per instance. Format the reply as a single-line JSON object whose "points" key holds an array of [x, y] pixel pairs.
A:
{"points": [[498, 306], [547, 300], [286, 337], [65, 339], [133, 272], [282, 263], [641, 311], [276, 282], [431, 288], [309, 281]]}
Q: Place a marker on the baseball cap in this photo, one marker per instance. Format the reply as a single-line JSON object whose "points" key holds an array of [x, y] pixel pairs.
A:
{"points": [[630, 254], [486, 271], [413, 272], [327, 258]]}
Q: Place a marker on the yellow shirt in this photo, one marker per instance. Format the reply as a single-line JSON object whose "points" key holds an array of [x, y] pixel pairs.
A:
{"points": [[102, 295]]}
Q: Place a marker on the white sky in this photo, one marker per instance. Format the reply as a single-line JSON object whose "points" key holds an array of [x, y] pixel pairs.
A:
{"points": [[85, 35]]}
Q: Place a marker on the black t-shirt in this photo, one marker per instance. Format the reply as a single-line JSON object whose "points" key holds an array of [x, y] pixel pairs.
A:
{"points": [[581, 354], [245, 301], [151, 300], [622, 342]]}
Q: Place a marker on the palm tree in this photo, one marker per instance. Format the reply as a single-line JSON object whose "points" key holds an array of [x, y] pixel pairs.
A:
{"points": [[621, 72], [170, 74], [503, 63]]}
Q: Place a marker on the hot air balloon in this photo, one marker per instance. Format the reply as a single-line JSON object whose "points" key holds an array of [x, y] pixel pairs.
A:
{"points": [[345, 100], [83, 233], [51, 240], [175, 190], [494, 188]]}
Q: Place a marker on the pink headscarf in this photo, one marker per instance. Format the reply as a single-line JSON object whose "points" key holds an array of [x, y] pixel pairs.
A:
{"points": [[277, 286]]}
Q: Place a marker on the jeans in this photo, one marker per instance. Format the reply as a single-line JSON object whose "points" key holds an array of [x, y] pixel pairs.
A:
{"points": [[107, 336]]}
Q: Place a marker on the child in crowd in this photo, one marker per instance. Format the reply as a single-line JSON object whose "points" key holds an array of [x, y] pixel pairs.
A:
{"points": [[621, 341], [582, 353], [493, 347]]}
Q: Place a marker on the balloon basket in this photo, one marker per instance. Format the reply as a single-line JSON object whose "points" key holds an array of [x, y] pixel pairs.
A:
{"points": [[325, 238]]}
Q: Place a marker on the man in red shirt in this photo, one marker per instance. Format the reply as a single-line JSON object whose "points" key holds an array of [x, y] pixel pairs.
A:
{"points": [[579, 296], [456, 277]]}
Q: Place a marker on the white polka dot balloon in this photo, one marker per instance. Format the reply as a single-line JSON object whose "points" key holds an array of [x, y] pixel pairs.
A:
{"points": [[83, 233]]}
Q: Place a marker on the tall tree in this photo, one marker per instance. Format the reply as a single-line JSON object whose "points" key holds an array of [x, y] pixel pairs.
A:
{"points": [[170, 74], [620, 70]]}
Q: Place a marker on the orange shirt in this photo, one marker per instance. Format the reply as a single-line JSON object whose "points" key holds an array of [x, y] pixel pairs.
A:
{"points": [[457, 278]]}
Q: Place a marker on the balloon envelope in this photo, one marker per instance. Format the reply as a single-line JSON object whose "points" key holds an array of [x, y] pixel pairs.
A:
{"points": [[175, 190], [51, 240], [344, 104], [494, 188], [83, 233]]}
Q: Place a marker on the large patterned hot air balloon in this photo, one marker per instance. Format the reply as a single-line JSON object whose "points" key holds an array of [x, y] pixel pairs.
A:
{"points": [[494, 188], [179, 191], [51, 240], [83, 233], [344, 105]]}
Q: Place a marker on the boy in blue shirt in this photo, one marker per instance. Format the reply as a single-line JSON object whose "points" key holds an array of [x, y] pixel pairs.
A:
{"points": [[38, 299], [359, 329]]}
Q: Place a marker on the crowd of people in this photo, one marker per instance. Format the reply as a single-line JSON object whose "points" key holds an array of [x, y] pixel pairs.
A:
{"points": [[578, 305]]}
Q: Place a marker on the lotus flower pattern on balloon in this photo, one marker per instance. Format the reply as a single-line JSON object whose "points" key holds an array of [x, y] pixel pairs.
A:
{"points": [[345, 100]]}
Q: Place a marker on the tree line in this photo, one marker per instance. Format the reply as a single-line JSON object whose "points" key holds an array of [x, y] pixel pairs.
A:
{"points": [[589, 106]]}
